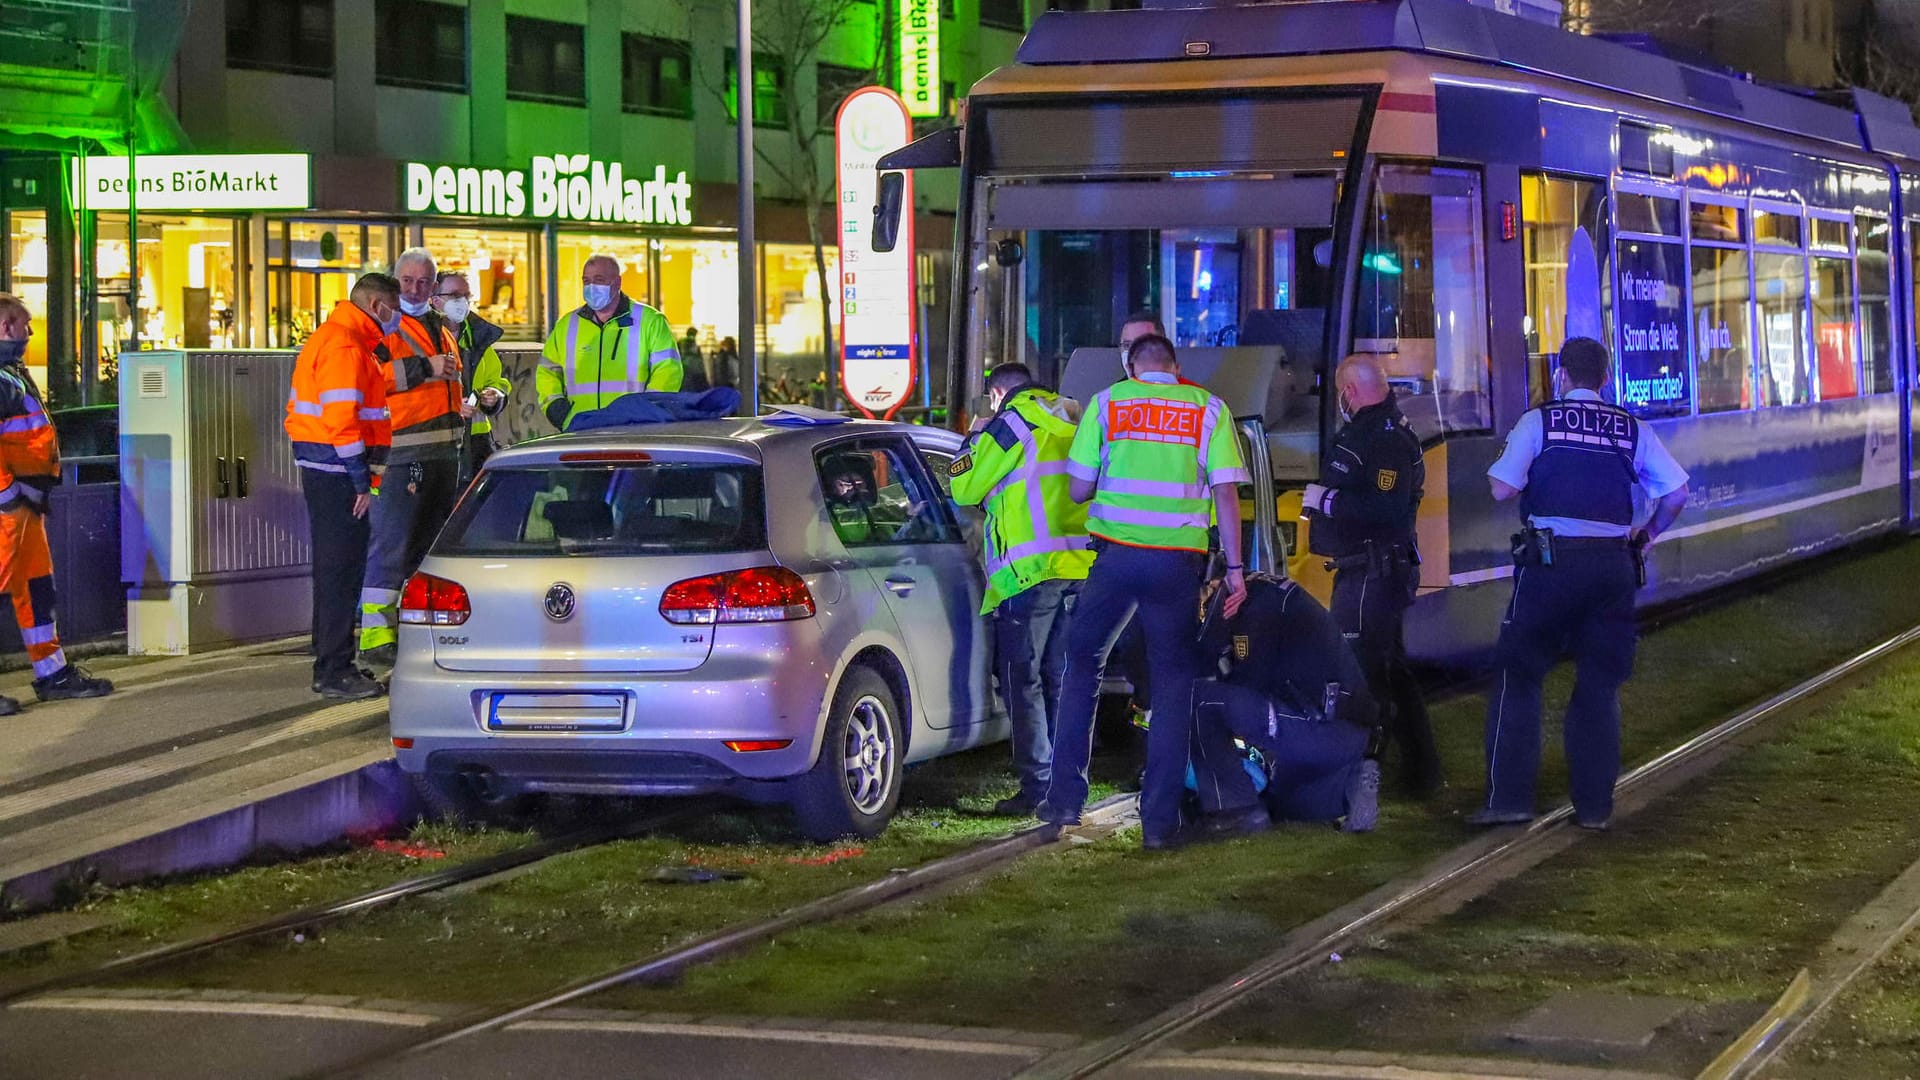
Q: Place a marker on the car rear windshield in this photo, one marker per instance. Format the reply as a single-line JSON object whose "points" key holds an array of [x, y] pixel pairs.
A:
{"points": [[656, 508]]}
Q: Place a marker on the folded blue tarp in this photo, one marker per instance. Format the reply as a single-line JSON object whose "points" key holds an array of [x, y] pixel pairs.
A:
{"points": [[655, 407]]}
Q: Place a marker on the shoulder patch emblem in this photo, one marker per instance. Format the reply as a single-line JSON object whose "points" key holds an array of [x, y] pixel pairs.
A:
{"points": [[961, 464], [1385, 479], [1242, 648]]}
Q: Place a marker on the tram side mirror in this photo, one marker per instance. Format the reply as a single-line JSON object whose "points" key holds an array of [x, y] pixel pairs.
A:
{"points": [[887, 206]]}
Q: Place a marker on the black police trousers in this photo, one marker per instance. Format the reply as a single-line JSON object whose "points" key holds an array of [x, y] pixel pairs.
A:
{"points": [[339, 563], [1371, 610], [1583, 602]]}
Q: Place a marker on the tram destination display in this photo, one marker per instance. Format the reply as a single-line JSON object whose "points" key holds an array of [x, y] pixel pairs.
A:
{"points": [[1652, 320]]}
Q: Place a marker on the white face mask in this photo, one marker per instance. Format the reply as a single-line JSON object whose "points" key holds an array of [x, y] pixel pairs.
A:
{"points": [[457, 310], [413, 307]]}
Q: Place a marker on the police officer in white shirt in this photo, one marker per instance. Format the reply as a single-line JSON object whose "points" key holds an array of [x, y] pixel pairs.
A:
{"points": [[1577, 563]]}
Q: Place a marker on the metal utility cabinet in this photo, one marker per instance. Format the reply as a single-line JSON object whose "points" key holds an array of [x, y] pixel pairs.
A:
{"points": [[214, 546]]}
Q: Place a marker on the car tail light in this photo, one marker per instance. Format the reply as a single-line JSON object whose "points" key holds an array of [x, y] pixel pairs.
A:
{"points": [[762, 594], [435, 601], [754, 746], [402, 744]]}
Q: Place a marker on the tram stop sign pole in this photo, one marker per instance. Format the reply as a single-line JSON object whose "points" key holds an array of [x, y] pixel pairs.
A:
{"points": [[749, 358], [878, 338]]}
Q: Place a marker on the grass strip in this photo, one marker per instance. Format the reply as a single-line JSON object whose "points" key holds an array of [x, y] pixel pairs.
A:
{"points": [[1873, 1030], [1094, 925], [1714, 896], [1093, 939]]}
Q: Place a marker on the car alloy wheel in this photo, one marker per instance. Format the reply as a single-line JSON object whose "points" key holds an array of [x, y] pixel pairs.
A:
{"points": [[869, 755]]}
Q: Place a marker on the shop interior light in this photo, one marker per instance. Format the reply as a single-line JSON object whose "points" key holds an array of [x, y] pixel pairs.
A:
{"points": [[33, 259]]}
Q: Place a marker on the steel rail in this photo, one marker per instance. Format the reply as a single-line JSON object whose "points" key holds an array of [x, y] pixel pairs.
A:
{"points": [[1456, 869], [466, 873], [895, 887]]}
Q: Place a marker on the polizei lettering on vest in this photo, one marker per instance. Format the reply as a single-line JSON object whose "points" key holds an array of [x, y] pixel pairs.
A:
{"points": [[1606, 422], [1154, 421]]}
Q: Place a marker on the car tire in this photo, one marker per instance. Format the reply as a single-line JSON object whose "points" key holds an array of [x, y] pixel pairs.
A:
{"points": [[854, 786]]}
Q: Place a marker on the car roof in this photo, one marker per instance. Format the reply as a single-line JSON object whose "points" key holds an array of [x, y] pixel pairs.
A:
{"points": [[756, 436]]}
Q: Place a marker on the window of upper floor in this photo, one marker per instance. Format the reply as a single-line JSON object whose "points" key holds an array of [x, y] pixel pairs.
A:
{"points": [[421, 45], [290, 36], [546, 61], [656, 76]]}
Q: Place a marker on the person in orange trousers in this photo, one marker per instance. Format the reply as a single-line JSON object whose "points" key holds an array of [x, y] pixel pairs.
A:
{"points": [[29, 469]]}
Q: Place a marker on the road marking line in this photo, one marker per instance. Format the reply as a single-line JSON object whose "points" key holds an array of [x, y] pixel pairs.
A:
{"points": [[1324, 1070], [291, 1010], [794, 1035]]}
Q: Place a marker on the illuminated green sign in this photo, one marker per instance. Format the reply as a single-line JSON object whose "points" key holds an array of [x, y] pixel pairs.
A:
{"points": [[920, 56]]}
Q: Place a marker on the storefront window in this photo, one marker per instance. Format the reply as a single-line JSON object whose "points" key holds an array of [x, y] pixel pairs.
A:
{"points": [[503, 269], [699, 289], [188, 296], [790, 310], [636, 279], [27, 279], [312, 266]]}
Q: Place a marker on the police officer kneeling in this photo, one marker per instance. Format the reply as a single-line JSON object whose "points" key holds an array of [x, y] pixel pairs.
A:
{"points": [[1294, 691], [1574, 462]]}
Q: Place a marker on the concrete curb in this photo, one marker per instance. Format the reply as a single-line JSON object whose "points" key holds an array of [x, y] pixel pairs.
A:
{"points": [[374, 797]]}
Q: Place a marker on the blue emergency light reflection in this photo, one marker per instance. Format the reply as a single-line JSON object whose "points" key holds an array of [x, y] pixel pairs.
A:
{"points": [[1193, 174], [1382, 263]]}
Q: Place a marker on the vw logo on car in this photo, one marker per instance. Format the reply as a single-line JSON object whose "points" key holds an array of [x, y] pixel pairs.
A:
{"points": [[560, 602]]}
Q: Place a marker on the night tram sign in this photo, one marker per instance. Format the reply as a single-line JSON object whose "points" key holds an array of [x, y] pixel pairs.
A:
{"points": [[877, 317]]}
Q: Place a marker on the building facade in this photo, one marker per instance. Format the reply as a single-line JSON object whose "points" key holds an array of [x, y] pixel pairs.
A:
{"points": [[511, 137]]}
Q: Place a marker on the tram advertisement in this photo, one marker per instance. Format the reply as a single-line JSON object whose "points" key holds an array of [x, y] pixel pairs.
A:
{"points": [[877, 314], [1649, 309]]}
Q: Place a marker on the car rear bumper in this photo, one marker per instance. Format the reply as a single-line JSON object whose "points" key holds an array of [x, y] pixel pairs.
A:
{"points": [[670, 738]]}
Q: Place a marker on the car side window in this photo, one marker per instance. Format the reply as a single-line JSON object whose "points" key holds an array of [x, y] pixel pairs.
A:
{"points": [[876, 494]]}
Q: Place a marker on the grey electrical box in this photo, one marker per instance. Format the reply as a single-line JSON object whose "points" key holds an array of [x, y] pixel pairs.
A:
{"points": [[214, 546]]}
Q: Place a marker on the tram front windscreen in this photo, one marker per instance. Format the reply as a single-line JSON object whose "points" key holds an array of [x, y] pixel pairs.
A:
{"points": [[1225, 262]]}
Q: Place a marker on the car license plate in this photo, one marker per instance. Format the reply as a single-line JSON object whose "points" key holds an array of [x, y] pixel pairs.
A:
{"points": [[557, 712]]}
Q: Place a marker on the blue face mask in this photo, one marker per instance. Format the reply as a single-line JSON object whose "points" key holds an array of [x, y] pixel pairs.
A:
{"points": [[391, 323], [599, 297], [414, 308]]}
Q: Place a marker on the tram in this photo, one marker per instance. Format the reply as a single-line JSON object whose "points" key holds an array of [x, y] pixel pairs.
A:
{"points": [[1456, 191]]}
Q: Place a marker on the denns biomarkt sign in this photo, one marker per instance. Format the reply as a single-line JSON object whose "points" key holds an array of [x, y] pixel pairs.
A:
{"points": [[563, 187]]}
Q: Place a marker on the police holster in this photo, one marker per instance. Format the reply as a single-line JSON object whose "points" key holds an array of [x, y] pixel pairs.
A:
{"points": [[1533, 547]]}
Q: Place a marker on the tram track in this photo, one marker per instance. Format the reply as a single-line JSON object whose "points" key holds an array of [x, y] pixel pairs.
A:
{"points": [[1465, 872], [1108, 816], [473, 874]]}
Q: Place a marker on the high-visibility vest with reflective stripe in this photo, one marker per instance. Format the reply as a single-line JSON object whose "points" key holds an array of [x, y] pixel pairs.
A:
{"points": [[337, 406], [1017, 470], [426, 414], [1155, 449], [589, 364], [29, 450]]}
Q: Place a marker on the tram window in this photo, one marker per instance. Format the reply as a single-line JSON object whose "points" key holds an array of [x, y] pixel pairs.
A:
{"points": [[1421, 302], [1721, 224], [1780, 288], [1773, 227], [1723, 357], [1654, 215], [1562, 218], [1649, 310], [1643, 151], [1833, 329], [1876, 303], [1829, 234]]}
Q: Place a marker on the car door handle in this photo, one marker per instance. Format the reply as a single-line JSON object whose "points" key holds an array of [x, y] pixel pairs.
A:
{"points": [[901, 586]]}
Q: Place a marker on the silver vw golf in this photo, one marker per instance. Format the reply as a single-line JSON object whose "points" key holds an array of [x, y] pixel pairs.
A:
{"points": [[782, 608]]}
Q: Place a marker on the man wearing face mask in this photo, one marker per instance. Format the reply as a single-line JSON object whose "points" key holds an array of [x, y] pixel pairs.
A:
{"points": [[421, 360], [337, 420], [29, 469], [608, 347], [1036, 553], [1362, 520], [486, 380]]}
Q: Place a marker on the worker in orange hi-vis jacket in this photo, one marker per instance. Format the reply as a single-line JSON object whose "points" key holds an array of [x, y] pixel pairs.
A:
{"points": [[29, 469]]}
